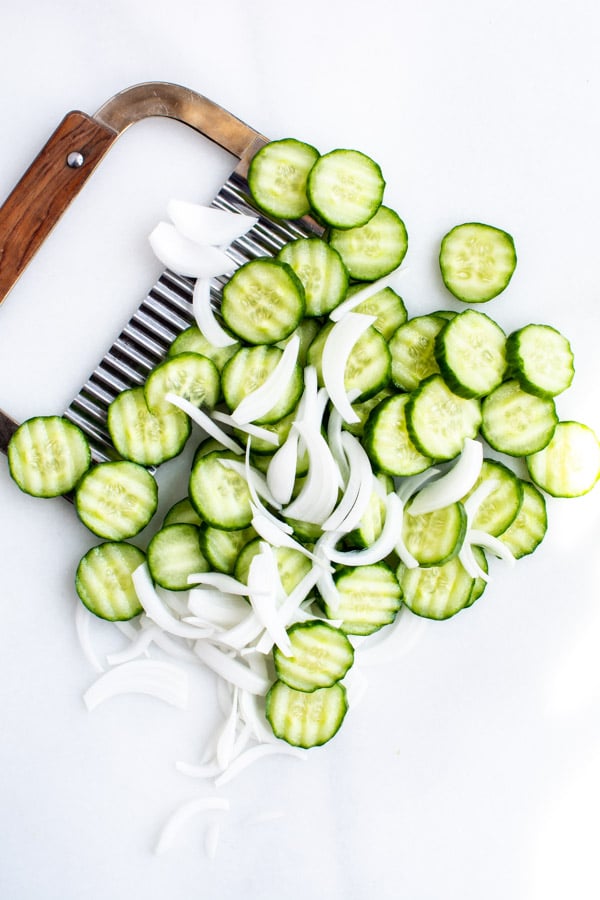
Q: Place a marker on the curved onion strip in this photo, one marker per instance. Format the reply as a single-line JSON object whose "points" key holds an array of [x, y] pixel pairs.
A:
{"points": [[469, 563], [252, 711], [217, 607], [253, 430], [265, 397], [325, 583], [179, 819], [318, 495], [491, 543], [263, 577], [187, 258], [338, 346], [334, 439], [158, 678], [277, 537], [307, 404], [83, 620], [136, 647], [408, 485], [155, 609], [281, 473], [207, 225], [257, 502], [204, 421], [354, 502], [392, 642], [253, 755], [369, 291], [383, 545], [481, 492], [222, 582], [253, 477], [232, 670], [239, 636], [291, 605], [457, 482], [205, 317]]}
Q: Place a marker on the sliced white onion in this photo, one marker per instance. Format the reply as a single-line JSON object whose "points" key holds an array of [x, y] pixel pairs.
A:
{"points": [[156, 610], [207, 225], [281, 473], [264, 398], [469, 563], [452, 486], [491, 543], [338, 346], [252, 711], [408, 485], [263, 579], [355, 500], [204, 421], [241, 635], [325, 583], [318, 495], [248, 428], [307, 406], [254, 478], [383, 545], [222, 582], [334, 439], [157, 678], [392, 642], [289, 609], [180, 818], [270, 531], [253, 755], [217, 607], [231, 669], [481, 493], [136, 647], [205, 317], [368, 291], [187, 258]]}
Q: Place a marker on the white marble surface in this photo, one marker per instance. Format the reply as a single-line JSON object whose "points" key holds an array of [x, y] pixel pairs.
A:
{"points": [[472, 767]]}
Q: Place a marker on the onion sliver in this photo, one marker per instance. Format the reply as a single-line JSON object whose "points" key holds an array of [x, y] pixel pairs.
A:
{"points": [[231, 669], [179, 819], [392, 642], [157, 611], [457, 482], [157, 678], [253, 755], [263, 579], [353, 504], [204, 421], [408, 485], [281, 473], [318, 495], [469, 563], [383, 545], [491, 543], [265, 397], [369, 291], [481, 492], [253, 430], [253, 477], [205, 317], [277, 537], [217, 607], [221, 582], [207, 225], [187, 258], [338, 346]]}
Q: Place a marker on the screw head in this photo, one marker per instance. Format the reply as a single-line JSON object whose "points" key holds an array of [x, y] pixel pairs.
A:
{"points": [[75, 159]]}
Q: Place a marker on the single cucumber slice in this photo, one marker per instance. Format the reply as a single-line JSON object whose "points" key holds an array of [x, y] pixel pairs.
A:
{"points": [[292, 565], [501, 506], [142, 436], [516, 422], [182, 513], [438, 592], [541, 360], [188, 375], [373, 250], [222, 548], [435, 538], [306, 719], [173, 554], [47, 455], [387, 441], [103, 580], [277, 177], [569, 465], [439, 421], [345, 188], [116, 500], [248, 370], [369, 598], [263, 301], [367, 366], [321, 656], [191, 340], [412, 348], [477, 261], [220, 496], [529, 527], [471, 353], [320, 269], [364, 409], [386, 304], [479, 583]]}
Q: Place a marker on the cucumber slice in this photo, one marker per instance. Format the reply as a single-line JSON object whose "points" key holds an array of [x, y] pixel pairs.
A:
{"points": [[182, 512], [364, 409], [174, 553], [191, 340], [516, 422], [306, 719], [248, 370], [412, 348], [373, 250], [386, 304], [103, 580], [435, 538], [189, 375], [569, 465], [529, 527], [219, 495], [263, 301], [387, 441], [292, 565], [438, 592], [477, 261], [345, 188], [369, 598], [471, 353], [371, 524], [499, 509], [367, 366], [116, 500], [479, 584], [320, 269], [306, 331], [439, 421], [541, 360], [141, 436], [277, 177], [321, 655], [47, 455], [222, 548]]}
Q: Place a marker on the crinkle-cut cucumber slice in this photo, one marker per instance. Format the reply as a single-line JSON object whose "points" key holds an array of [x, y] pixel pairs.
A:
{"points": [[306, 719], [477, 261], [437, 592], [373, 250], [174, 553], [386, 304], [528, 529], [387, 441], [263, 301], [436, 537], [367, 366], [189, 375], [569, 465], [222, 548], [345, 188], [497, 511], [292, 564], [47, 455], [516, 422], [471, 353], [103, 580], [369, 598], [142, 436], [541, 359], [412, 348], [277, 177], [182, 512], [220, 495], [321, 655], [439, 421], [320, 269], [192, 340], [248, 370], [116, 500]]}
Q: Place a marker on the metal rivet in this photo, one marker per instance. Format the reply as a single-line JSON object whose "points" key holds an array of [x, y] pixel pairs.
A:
{"points": [[75, 159]]}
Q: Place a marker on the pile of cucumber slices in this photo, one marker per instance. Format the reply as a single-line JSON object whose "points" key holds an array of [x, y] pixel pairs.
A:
{"points": [[342, 468]]}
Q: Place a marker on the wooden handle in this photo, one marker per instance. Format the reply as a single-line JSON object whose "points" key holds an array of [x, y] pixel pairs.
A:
{"points": [[46, 189]]}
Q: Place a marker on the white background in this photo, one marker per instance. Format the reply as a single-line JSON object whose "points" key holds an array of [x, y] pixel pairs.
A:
{"points": [[472, 767]]}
